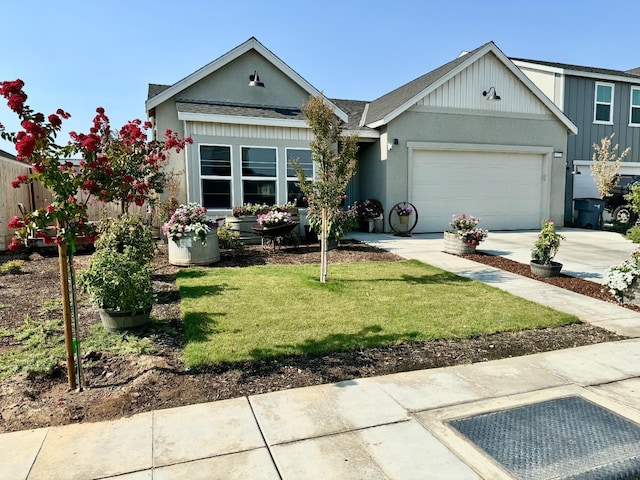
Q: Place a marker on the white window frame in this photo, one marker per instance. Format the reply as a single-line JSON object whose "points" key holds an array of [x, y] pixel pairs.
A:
{"points": [[295, 178], [632, 106], [215, 177], [596, 103], [249, 177]]}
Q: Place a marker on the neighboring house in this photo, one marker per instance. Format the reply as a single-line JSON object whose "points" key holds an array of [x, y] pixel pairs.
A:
{"points": [[439, 142], [599, 102]]}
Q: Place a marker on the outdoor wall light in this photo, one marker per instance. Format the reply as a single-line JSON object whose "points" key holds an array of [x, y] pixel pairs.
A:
{"points": [[391, 145], [575, 171], [491, 94], [254, 80]]}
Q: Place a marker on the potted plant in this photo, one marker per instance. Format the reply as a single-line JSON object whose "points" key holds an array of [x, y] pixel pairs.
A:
{"points": [[339, 223], [404, 212], [193, 239], [274, 218], [464, 235], [622, 279], [119, 277], [121, 287], [544, 249], [368, 211], [243, 219]]}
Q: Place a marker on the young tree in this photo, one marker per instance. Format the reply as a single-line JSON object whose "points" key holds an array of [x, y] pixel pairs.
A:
{"points": [[335, 158], [121, 166], [606, 164]]}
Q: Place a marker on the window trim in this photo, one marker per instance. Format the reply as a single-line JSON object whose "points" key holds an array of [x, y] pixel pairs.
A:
{"points": [[287, 178], [596, 103], [215, 177], [632, 106], [244, 177]]}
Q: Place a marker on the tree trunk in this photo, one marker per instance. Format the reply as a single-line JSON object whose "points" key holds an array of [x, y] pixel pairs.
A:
{"points": [[324, 246]]}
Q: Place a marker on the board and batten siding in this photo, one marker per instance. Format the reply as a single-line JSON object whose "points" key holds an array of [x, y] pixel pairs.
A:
{"points": [[579, 104], [464, 91], [248, 131]]}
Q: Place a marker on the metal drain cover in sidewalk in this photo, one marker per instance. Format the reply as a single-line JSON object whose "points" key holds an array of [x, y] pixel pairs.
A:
{"points": [[565, 438]]}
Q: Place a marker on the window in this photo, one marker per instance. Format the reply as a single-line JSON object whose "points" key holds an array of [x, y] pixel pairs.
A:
{"points": [[303, 157], [634, 113], [259, 175], [603, 108], [215, 175]]}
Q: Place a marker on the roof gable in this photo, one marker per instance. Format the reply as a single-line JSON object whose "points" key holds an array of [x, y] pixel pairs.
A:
{"points": [[393, 104], [160, 93]]}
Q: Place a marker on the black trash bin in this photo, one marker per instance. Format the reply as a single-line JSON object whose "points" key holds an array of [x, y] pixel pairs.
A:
{"points": [[589, 212]]}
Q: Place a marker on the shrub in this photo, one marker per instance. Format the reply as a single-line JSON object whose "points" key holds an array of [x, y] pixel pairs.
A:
{"points": [[369, 208], [633, 234], [128, 233], [118, 281], [11, 267], [547, 244], [229, 239]]}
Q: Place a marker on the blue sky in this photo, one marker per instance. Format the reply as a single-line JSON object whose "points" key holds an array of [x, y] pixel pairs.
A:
{"points": [[78, 55]]}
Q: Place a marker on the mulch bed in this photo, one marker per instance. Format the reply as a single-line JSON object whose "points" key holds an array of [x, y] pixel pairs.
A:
{"points": [[122, 385]]}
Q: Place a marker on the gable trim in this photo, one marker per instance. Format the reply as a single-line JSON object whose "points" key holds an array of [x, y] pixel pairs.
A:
{"points": [[241, 120], [251, 44], [490, 47]]}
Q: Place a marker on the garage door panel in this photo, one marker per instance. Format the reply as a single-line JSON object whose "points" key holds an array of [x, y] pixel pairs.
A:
{"points": [[503, 189]]}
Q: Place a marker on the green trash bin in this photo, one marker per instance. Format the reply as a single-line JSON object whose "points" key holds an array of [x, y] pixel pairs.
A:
{"points": [[589, 212]]}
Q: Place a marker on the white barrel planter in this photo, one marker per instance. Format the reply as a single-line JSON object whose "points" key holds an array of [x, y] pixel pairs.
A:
{"points": [[454, 244], [244, 226], [188, 250]]}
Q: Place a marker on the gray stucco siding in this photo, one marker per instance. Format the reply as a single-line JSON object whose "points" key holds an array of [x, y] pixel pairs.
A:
{"points": [[236, 144], [230, 84], [474, 129]]}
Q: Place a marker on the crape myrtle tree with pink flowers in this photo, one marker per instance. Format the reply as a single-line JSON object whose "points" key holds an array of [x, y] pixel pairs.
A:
{"points": [[116, 166]]}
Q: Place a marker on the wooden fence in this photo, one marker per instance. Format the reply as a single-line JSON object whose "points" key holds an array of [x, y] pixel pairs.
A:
{"points": [[35, 196]]}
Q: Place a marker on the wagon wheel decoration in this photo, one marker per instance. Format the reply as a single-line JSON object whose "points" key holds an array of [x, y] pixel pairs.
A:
{"points": [[403, 218]]}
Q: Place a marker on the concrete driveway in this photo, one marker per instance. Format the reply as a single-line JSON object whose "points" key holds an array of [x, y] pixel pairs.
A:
{"points": [[584, 253]]}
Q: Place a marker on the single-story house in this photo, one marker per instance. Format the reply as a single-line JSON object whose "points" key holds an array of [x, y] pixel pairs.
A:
{"points": [[473, 136]]}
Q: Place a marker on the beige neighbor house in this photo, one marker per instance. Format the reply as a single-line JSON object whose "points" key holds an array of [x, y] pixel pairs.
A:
{"points": [[475, 136]]}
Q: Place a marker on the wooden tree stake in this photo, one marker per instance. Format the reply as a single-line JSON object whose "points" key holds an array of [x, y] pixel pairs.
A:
{"points": [[66, 315]]}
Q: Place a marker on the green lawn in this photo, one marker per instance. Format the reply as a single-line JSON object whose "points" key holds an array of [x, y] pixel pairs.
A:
{"points": [[233, 314]]}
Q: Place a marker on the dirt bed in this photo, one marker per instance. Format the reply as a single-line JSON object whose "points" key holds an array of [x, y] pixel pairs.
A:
{"points": [[122, 385]]}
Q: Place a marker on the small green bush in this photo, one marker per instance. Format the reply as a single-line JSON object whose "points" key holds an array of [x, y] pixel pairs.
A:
{"points": [[633, 234], [228, 238], [11, 267], [118, 281], [127, 233]]}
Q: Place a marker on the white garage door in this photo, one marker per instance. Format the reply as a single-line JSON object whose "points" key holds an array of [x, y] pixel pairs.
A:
{"points": [[505, 190]]}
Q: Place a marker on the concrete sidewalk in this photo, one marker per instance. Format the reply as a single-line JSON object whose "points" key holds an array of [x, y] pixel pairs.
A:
{"points": [[389, 427]]}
